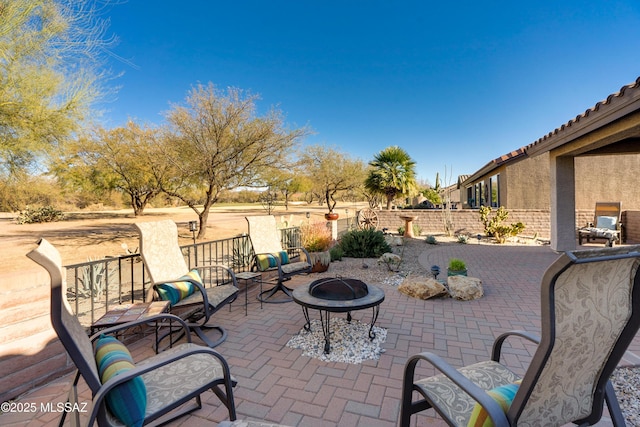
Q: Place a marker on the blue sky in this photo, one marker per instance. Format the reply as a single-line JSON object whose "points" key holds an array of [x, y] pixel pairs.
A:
{"points": [[456, 84]]}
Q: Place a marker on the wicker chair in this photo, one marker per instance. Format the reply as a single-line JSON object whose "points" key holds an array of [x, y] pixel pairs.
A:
{"points": [[589, 315], [606, 224], [171, 379]]}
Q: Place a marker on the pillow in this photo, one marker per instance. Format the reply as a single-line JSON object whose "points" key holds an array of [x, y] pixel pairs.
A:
{"points": [[174, 292], [127, 401], [503, 395], [267, 261], [608, 222]]}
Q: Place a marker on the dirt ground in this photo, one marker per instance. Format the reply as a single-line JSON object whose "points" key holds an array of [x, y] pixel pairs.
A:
{"points": [[84, 235]]}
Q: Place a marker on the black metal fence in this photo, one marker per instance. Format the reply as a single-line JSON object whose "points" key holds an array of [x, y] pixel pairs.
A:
{"points": [[96, 286]]}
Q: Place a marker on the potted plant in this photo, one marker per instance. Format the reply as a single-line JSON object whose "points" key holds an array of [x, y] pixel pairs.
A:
{"points": [[457, 267], [317, 240]]}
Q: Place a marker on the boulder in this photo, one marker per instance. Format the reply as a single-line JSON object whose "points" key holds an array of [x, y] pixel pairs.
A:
{"points": [[393, 240], [390, 258], [465, 288], [422, 288]]}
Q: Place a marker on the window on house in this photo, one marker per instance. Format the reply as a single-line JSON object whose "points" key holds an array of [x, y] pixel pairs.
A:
{"points": [[494, 184]]}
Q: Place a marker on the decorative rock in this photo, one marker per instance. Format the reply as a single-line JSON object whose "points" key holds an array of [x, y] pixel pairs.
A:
{"points": [[465, 288], [394, 240], [390, 258], [422, 288]]}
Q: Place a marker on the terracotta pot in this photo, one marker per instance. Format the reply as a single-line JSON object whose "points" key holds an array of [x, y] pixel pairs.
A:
{"points": [[331, 216]]}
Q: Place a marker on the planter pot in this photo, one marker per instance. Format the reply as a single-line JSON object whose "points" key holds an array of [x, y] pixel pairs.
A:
{"points": [[456, 272], [332, 216], [319, 261]]}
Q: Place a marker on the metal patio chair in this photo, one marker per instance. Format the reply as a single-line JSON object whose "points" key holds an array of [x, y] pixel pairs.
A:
{"points": [[606, 224], [159, 388], [590, 312], [166, 265], [270, 257]]}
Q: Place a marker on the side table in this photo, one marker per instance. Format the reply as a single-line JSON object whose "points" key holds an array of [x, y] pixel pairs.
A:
{"points": [[128, 313], [249, 277]]}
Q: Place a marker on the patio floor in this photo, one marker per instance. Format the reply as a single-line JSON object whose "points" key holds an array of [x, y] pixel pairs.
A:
{"points": [[278, 384]]}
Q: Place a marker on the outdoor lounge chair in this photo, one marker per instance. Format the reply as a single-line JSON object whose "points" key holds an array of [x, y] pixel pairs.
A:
{"points": [[590, 312], [606, 224], [269, 256], [166, 265], [147, 390]]}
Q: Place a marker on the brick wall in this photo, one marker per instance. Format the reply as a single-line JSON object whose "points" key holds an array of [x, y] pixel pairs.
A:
{"points": [[30, 353], [465, 220], [468, 221]]}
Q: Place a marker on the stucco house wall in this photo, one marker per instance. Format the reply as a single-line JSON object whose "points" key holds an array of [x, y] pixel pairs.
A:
{"points": [[525, 182]]}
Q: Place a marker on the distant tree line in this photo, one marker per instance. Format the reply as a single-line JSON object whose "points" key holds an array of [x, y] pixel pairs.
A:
{"points": [[209, 147]]}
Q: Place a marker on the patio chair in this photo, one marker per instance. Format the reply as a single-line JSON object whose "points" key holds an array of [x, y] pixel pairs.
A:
{"points": [[160, 388], [589, 314], [269, 256], [607, 224], [194, 296]]}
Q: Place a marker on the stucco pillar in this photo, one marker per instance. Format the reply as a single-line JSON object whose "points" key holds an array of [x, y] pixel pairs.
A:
{"points": [[563, 203]]}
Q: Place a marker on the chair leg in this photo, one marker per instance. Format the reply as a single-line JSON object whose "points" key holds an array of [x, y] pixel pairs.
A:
{"points": [[199, 331], [614, 407]]}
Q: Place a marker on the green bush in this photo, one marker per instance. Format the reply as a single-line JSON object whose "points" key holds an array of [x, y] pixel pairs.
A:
{"points": [[456, 264], [336, 253], [365, 243], [431, 240], [494, 226], [44, 214]]}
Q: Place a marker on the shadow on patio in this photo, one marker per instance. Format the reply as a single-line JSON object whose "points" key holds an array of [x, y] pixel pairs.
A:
{"points": [[278, 384]]}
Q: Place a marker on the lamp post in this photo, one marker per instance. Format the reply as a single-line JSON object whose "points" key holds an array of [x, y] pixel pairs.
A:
{"points": [[435, 270], [193, 227]]}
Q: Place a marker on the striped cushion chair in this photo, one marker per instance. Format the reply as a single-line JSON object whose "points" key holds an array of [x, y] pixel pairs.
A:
{"points": [[160, 388]]}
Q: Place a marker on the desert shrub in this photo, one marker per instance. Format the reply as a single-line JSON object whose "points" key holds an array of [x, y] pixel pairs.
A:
{"points": [[463, 239], [37, 215], [493, 226], [431, 240], [365, 243], [316, 236], [456, 264], [336, 253]]}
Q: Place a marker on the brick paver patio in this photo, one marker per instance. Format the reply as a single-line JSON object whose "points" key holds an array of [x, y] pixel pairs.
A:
{"points": [[278, 384]]}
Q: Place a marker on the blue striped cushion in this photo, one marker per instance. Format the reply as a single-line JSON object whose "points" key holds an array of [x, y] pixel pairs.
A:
{"points": [[267, 261], [503, 395], [127, 401], [174, 292]]}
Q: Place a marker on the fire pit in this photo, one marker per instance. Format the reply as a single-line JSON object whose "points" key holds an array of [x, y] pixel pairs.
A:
{"points": [[337, 295]]}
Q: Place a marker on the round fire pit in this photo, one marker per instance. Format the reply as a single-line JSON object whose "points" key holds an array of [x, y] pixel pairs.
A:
{"points": [[337, 295]]}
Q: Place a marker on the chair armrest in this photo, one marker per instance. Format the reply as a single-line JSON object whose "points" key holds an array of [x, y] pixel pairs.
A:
{"points": [[142, 369], [497, 344], [153, 318], [493, 408], [228, 270]]}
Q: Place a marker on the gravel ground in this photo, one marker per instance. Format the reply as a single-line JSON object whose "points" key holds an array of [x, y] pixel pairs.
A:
{"points": [[626, 381]]}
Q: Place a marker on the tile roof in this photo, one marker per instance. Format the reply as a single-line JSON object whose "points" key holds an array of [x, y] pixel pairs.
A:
{"points": [[629, 92], [602, 110]]}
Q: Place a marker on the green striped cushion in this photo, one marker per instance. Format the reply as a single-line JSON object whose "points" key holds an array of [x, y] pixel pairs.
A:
{"points": [[127, 401], [174, 292], [267, 261]]}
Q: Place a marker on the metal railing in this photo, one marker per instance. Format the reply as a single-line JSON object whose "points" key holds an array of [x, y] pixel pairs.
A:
{"points": [[96, 286]]}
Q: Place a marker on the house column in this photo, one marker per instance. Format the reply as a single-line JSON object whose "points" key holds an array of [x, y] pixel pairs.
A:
{"points": [[563, 203]]}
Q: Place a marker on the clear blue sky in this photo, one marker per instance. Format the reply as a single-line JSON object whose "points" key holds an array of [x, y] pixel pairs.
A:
{"points": [[456, 84]]}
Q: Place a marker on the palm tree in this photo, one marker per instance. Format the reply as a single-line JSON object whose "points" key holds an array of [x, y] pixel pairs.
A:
{"points": [[392, 173]]}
